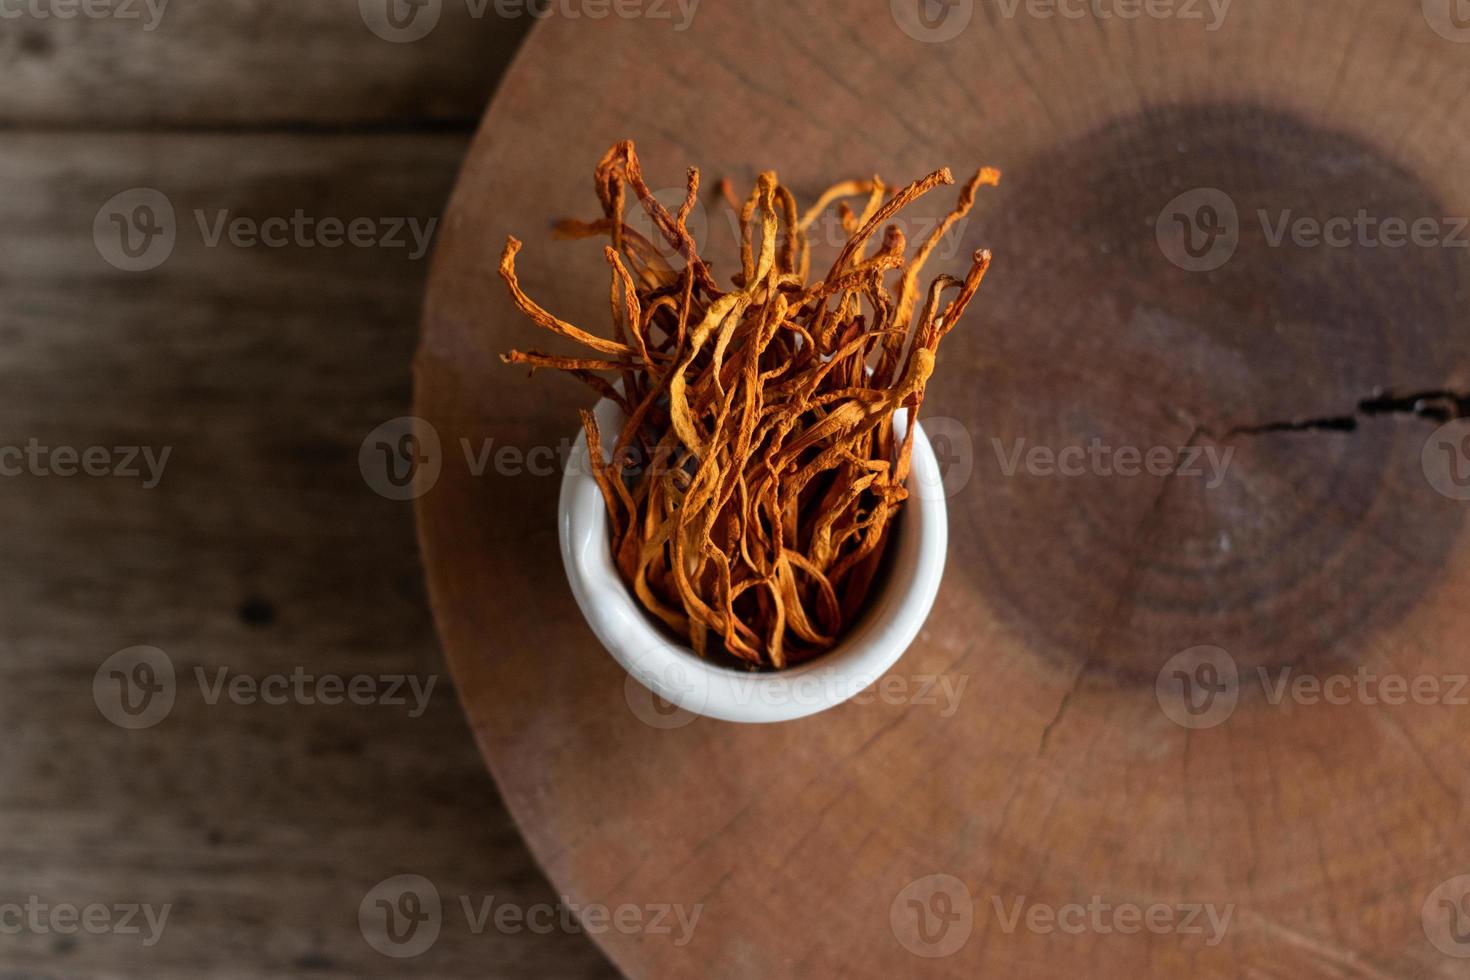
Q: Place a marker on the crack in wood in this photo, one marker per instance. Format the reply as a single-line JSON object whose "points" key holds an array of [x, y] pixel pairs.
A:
{"points": [[1438, 405]]}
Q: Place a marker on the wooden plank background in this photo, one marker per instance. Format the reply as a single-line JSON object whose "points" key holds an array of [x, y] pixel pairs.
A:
{"points": [[249, 64], [261, 549]]}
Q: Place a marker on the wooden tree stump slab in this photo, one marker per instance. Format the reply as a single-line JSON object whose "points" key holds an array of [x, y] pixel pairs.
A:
{"points": [[1112, 706]]}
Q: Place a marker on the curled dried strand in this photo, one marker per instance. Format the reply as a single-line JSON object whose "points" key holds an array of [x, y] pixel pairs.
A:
{"points": [[755, 482]]}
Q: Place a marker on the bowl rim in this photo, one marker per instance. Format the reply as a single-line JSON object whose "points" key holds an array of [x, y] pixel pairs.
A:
{"points": [[896, 611]]}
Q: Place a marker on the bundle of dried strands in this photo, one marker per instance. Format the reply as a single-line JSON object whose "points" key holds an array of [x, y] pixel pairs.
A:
{"points": [[756, 479]]}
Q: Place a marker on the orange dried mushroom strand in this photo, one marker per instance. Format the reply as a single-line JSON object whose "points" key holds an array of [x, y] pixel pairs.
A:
{"points": [[762, 416]]}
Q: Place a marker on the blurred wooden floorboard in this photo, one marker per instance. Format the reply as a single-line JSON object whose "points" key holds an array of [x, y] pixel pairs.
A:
{"points": [[261, 550], [249, 63]]}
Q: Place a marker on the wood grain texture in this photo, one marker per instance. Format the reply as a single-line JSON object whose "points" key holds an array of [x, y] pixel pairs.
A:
{"points": [[1059, 778], [262, 550], [228, 64]]}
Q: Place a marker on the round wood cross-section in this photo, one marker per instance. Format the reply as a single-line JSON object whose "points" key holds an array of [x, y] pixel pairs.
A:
{"points": [[1192, 700]]}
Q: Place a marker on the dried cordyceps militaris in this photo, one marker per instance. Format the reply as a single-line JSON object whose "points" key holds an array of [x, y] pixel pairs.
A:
{"points": [[770, 472]]}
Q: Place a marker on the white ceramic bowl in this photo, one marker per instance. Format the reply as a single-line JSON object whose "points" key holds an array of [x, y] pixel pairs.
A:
{"points": [[896, 609]]}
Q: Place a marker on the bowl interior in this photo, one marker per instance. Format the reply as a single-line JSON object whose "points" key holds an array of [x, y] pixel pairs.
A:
{"points": [[897, 606]]}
